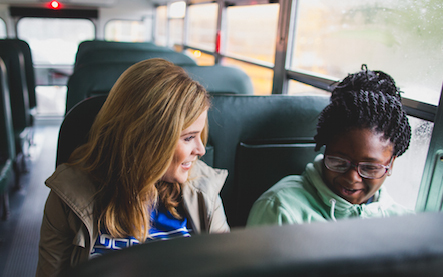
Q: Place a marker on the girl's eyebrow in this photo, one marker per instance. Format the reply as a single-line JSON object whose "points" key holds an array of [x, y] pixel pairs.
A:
{"points": [[190, 133]]}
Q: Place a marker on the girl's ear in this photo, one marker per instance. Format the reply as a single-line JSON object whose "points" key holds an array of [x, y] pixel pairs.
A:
{"points": [[392, 165]]}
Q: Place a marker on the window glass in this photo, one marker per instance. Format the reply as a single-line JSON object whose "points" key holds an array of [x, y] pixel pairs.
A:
{"points": [[404, 183], [252, 31], [126, 30], [177, 10], [402, 38], [161, 24], [300, 88], [51, 100], [175, 32], [200, 57], [202, 26], [261, 77], [54, 40], [3, 32]]}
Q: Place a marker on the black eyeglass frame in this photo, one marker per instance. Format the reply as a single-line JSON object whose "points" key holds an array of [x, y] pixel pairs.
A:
{"points": [[357, 166]]}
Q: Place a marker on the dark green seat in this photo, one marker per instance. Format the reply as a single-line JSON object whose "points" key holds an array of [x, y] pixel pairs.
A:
{"points": [[406, 246], [98, 78], [260, 139], [131, 55], [19, 97], [93, 79], [29, 69], [219, 79], [97, 45], [7, 147]]}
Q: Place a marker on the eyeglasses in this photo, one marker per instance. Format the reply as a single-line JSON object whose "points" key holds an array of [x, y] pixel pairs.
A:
{"points": [[364, 169]]}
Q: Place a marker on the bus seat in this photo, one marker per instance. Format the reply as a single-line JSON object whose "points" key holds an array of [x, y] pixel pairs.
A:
{"points": [[219, 79], [7, 147], [403, 246], [98, 45], [29, 69], [259, 140], [19, 98], [98, 78], [93, 79], [75, 127], [119, 55]]}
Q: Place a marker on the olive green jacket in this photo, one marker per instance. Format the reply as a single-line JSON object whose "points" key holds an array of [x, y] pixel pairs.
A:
{"points": [[69, 228]]}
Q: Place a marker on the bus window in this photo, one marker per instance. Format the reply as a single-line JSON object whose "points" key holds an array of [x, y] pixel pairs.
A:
{"points": [[300, 88], [404, 183], [176, 14], [175, 32], [3, 33], [252, 31], [129, 31], [53, 43], [200, 57], [403, 38], [54, 40], [161, 23], [202, 26], [261, 77]]}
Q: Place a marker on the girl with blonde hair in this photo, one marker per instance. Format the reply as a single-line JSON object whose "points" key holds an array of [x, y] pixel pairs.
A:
{"points": [[138, 177]]}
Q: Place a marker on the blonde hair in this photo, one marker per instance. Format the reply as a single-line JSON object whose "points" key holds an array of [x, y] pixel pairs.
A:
{"points": [[132, 141]]}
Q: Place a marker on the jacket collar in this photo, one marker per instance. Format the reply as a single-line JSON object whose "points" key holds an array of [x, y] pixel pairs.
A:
{"points": [[77, 190]]}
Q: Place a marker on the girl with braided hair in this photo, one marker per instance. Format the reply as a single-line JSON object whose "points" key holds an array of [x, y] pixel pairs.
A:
{"points": [[364, 129]]}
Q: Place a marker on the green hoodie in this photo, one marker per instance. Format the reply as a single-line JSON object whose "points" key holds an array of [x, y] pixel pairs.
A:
{"points": [[306, 198]]}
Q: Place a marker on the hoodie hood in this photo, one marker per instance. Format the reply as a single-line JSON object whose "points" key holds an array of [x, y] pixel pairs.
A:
{"points": [[339, 207]]}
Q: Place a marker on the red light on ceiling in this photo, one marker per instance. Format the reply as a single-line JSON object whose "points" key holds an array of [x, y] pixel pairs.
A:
{"points": [[54, 5]]}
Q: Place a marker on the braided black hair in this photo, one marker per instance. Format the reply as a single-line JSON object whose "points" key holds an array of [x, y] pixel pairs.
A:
{"points": [[367, 99]]}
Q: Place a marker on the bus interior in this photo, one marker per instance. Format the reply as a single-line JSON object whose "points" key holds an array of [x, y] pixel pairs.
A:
{"points": [[270, 67]]}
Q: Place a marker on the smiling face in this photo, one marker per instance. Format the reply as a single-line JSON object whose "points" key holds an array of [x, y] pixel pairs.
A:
{"points": [[357, 145], [188, 149]]}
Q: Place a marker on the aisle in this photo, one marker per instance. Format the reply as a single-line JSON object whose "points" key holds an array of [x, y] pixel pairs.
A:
{"points": [[20, 234]]}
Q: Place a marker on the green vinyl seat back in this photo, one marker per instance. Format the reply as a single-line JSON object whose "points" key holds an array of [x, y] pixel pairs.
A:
{"points": [[134, 56], [260, 140], [19, 96], [75, 126], [29, 69], [219, 79], [98, 45], [99, 77], [406, 246], [7, 146], [93, 79]]}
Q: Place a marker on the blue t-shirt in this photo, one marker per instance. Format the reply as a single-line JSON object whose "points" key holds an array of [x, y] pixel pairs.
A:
{"points": [[163, 226]]}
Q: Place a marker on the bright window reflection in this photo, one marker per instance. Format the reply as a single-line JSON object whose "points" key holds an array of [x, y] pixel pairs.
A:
{"points": [[303, 89], [175, 32], [404, 183], [402, 38], [202, 23], [200, 57], [252, 31], [130, 31], [177, 10], [54, 41], [3, 33], [161, 25], [261, 77]]}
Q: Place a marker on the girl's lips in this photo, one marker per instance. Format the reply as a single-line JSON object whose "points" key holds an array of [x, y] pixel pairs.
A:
{"points": [[346, 191], [186, 165]]}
